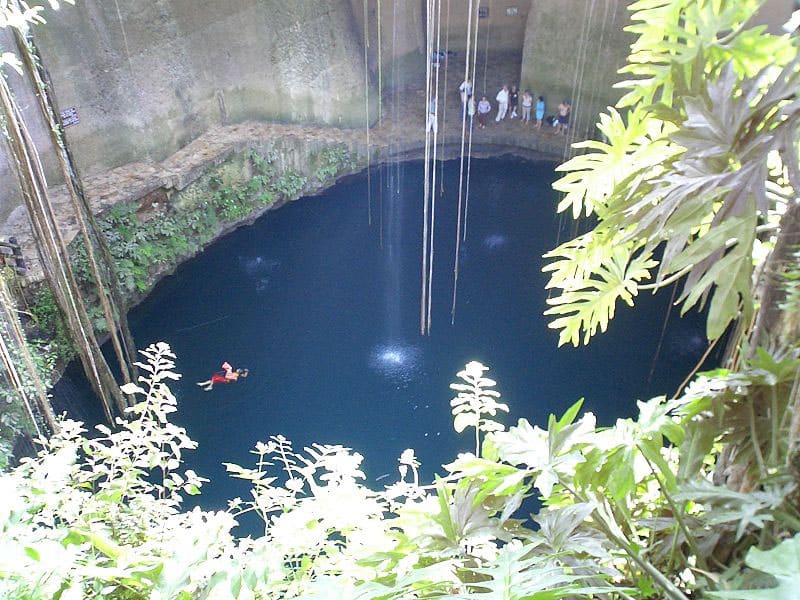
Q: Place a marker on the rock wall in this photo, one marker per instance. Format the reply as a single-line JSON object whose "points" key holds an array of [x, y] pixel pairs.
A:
{"points": [[502, 23], [572, 51], [146, 78], [219, 195], [26, 100], [395, 40]]}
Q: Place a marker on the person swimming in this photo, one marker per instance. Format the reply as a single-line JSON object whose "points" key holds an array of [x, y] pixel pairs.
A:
{"points": [[227, 375]]}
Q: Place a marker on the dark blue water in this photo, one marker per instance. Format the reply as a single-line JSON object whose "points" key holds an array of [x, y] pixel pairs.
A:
{"points": [[324, 310]]}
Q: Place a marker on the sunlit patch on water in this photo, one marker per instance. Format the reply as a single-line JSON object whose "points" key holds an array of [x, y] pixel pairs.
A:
{"points": [[396, 360], [495, 241], [685, 342], [259, 269]]}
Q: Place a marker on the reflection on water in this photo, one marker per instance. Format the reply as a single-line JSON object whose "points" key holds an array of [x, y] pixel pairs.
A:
{"points": [[399, 362], [259, 269], [495, 241]]}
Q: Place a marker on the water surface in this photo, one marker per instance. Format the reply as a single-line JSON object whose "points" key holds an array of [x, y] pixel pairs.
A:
{"points": [[323, 308]]}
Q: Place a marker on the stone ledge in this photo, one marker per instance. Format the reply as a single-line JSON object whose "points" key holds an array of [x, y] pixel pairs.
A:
{"points": [[387, 142]]}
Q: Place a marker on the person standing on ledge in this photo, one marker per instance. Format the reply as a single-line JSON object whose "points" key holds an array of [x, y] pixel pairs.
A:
{"points": [[513, 101], [471, 110], [484, 108], [563, 117], [431, 123], [527, 103], [539, 112], [465, 89], [502, 104]]}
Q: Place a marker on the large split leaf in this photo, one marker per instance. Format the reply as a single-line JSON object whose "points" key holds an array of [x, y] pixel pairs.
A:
{"points": [[520, 574], [699, 195], [590, 303]]}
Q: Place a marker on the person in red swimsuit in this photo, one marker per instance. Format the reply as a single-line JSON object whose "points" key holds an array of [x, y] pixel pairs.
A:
{"points": [[227, 375]]}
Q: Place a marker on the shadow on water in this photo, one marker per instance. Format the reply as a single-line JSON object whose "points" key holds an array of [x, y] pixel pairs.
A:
{"points": [[324, 311]]}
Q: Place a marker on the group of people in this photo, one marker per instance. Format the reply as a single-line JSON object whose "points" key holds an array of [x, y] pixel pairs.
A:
{"points": [[508, 101]]}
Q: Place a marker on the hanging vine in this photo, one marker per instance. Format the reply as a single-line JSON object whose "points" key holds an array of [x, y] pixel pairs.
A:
{"points": [[51, 247], [469, 75], [22, 375], [102, 270]]}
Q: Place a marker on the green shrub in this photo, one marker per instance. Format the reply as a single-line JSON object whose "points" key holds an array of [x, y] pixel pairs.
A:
{"points": [[333, 160], [48, 318], [628, 511]]}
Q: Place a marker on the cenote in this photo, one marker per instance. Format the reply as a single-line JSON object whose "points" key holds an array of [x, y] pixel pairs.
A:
{"points": [[244, 182], [322, 307]]}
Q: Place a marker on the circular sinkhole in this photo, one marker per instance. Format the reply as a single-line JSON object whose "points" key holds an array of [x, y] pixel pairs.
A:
{"points": [[320, 300]]}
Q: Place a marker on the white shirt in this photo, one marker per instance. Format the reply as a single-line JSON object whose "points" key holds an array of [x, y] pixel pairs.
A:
{"points": [[502, 96]]}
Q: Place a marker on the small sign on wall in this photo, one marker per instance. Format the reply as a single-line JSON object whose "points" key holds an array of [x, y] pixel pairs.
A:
{"points": [[512, 11], [69, 117]]}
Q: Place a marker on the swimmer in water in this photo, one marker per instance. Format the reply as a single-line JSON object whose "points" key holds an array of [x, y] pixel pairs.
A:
{"points": [[227, 375]]}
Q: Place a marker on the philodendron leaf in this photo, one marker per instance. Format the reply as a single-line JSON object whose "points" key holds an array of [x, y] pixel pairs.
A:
{"points": [[589, 304], [782, 562], [549, 454], [518, 573]]}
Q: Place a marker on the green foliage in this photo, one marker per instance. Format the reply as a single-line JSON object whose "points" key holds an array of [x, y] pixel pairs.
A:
{"points": [[101, 517], [782, 563], [142, 248], [87, 516], [14, 422], [791, 274], [264, 164], [232, 203], [589, 303], [474, 400], [332, 161], [48, 318], [237, 202], [683, 35], [289, 183], [689, 172]]}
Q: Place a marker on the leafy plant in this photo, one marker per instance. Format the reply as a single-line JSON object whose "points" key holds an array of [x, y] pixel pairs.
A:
{"points": [[94, 510], [624, 512], [264, 164], [790, 306], [782, 563], [289, 183], [48, 318], [474, 400], [332, 160], [687, 175]]}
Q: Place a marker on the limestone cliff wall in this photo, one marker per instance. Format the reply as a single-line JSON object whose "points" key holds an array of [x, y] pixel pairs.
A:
{"points": [[502, 23], [26, 100], [148, 77], [394, 37]]}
